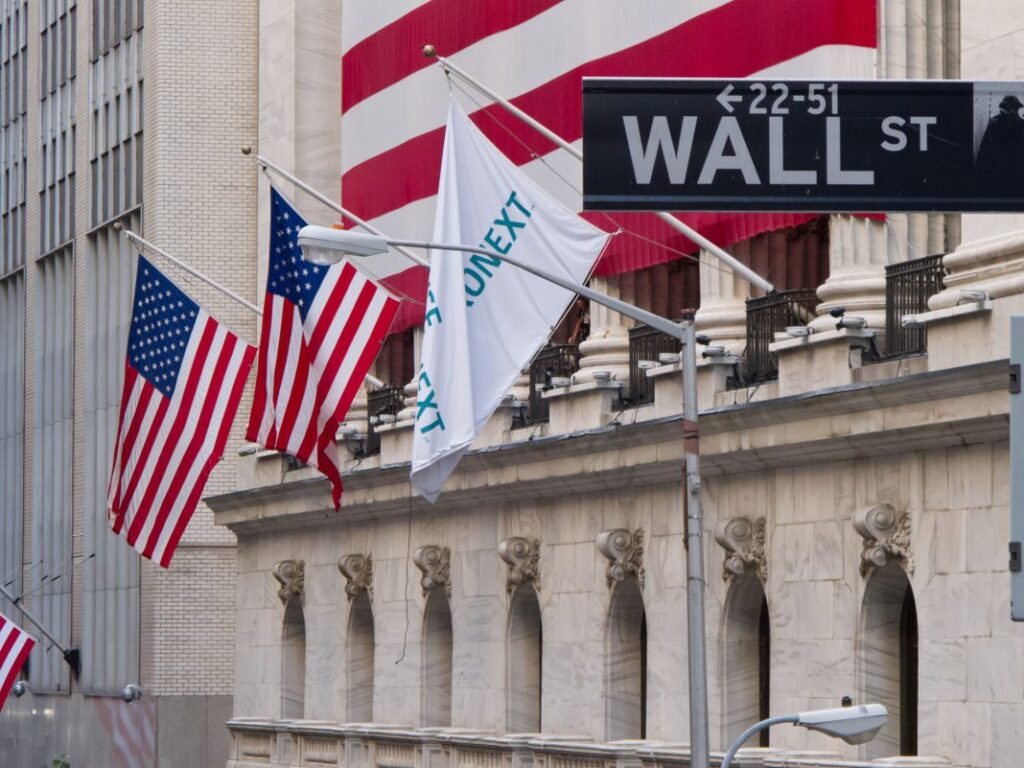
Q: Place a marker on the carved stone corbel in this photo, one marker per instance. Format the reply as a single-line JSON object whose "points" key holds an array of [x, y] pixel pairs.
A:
{"points": [[625, 551], [886, 535], [743, 541], [435, 564], [291, 574], [358, 572], [523, 558]]}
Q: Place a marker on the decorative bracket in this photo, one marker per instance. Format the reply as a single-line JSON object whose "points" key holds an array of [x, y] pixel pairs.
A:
{"points": [[523, 557], [625, 551], [358, 572], [886, 535], [291, 574], [435, 564], [743, 541]]}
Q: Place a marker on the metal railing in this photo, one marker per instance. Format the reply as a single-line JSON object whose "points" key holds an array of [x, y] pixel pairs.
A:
{"points": [[553, 361], [766, 316], [908, 286], [380, 402], [646, 344]]}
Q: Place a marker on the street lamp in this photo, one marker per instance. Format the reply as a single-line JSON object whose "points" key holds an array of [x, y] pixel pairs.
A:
{"points": [[325, 245], [854, 725]]}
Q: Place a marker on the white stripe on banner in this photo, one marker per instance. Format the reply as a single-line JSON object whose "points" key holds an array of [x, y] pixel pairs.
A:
{"points": [[362, 19]]}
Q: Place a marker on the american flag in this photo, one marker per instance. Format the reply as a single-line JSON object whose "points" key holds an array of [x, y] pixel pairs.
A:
{"points": [[535, 53], [15, 645], [322, 330], [183, 380]]}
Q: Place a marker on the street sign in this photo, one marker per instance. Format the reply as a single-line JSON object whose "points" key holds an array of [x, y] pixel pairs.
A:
{"points": [[803, 145]]}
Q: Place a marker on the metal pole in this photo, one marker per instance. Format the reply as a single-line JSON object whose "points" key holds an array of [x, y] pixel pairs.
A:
{"points": [[629, 310], [737, 266], [194, 272], [693, 540], [743, 737], [70, 654], [415, 257]]}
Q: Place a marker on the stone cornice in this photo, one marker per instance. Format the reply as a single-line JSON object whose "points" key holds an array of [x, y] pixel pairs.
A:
{"points": [[923, 411]]}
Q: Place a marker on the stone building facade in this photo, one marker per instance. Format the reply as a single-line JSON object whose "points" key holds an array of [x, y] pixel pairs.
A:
{"points": [[113, 111], [856, 521]]}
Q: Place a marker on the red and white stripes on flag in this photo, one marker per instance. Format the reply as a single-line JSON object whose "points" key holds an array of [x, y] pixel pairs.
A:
{"points": [[183, 381], [15, 645], [535, 53], [132, 730], [322, 330]]}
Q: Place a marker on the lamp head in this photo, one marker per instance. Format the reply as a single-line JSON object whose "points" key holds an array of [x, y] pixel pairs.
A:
{"points": [[131, 692], [20, 689], [854, 725], [326, 246]]}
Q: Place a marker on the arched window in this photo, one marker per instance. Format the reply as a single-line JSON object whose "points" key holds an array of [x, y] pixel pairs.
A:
{"points": [[626, 654], [360, 660], [437, 660], [746, 647], [525, 648], [889, 659], [293, 662]]}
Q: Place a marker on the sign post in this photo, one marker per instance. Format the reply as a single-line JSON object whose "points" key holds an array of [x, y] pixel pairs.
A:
{"points": [[803, 145]]}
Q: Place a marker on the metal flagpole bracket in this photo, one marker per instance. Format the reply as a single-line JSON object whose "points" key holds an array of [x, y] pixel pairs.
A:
{"points": [[70, 655]]}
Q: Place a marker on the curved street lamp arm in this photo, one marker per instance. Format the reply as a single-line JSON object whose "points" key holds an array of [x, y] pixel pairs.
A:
{"points": [[743, 737]]}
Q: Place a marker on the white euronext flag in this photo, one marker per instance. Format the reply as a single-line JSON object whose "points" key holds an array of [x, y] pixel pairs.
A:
{"points": [[485, 319]]}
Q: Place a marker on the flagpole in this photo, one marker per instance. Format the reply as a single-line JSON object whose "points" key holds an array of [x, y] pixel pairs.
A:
{"points": [[684, 229], [414, 257], [71, 655]]}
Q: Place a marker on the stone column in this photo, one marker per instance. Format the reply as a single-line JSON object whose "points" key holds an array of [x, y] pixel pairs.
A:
{"points": [[607, 348], [723, 295], [857, 252]]}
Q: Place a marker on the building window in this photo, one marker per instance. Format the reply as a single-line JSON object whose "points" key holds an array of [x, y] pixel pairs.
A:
{"points": [[626, 679], [437, 661], [293, 661], [12, 430], [746, 648], [525, 661], [889, 659], [110, 581], [360, 660], [57, 61], [13, 132], [54, 309]]}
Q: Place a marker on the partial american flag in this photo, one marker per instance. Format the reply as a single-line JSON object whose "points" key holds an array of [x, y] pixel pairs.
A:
{"points": [[132, 730], [535, 53], [15, 645], [183, 380], [322, 330]]}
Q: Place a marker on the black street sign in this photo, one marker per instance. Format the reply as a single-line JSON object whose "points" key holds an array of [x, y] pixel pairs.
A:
{"points": [[803, 145]]}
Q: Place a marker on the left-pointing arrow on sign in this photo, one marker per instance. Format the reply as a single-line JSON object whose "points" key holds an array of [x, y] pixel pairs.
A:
{"points": [[726, 98]]}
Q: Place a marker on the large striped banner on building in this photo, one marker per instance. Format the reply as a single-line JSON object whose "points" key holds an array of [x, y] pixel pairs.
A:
{"points": [[535, 53], [15, 645]]}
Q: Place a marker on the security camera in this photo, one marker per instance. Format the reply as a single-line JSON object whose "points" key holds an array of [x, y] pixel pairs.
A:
{"points": [[20, 688], [602, 377], [714, 352], [560, 381], [131, 692], [912, 321], [854, 725], [646, 365], [853, 323], [702, 338], [667, 358], [837, 312], [798, 331], [969, 295]]}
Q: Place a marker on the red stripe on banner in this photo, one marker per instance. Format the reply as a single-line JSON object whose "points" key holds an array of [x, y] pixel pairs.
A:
{"points": [[395, 51], [411, 283], [259, 396], [202, 424], [19, 662], [218, 452], [411, 168], [167, 450], [147, 448]]}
